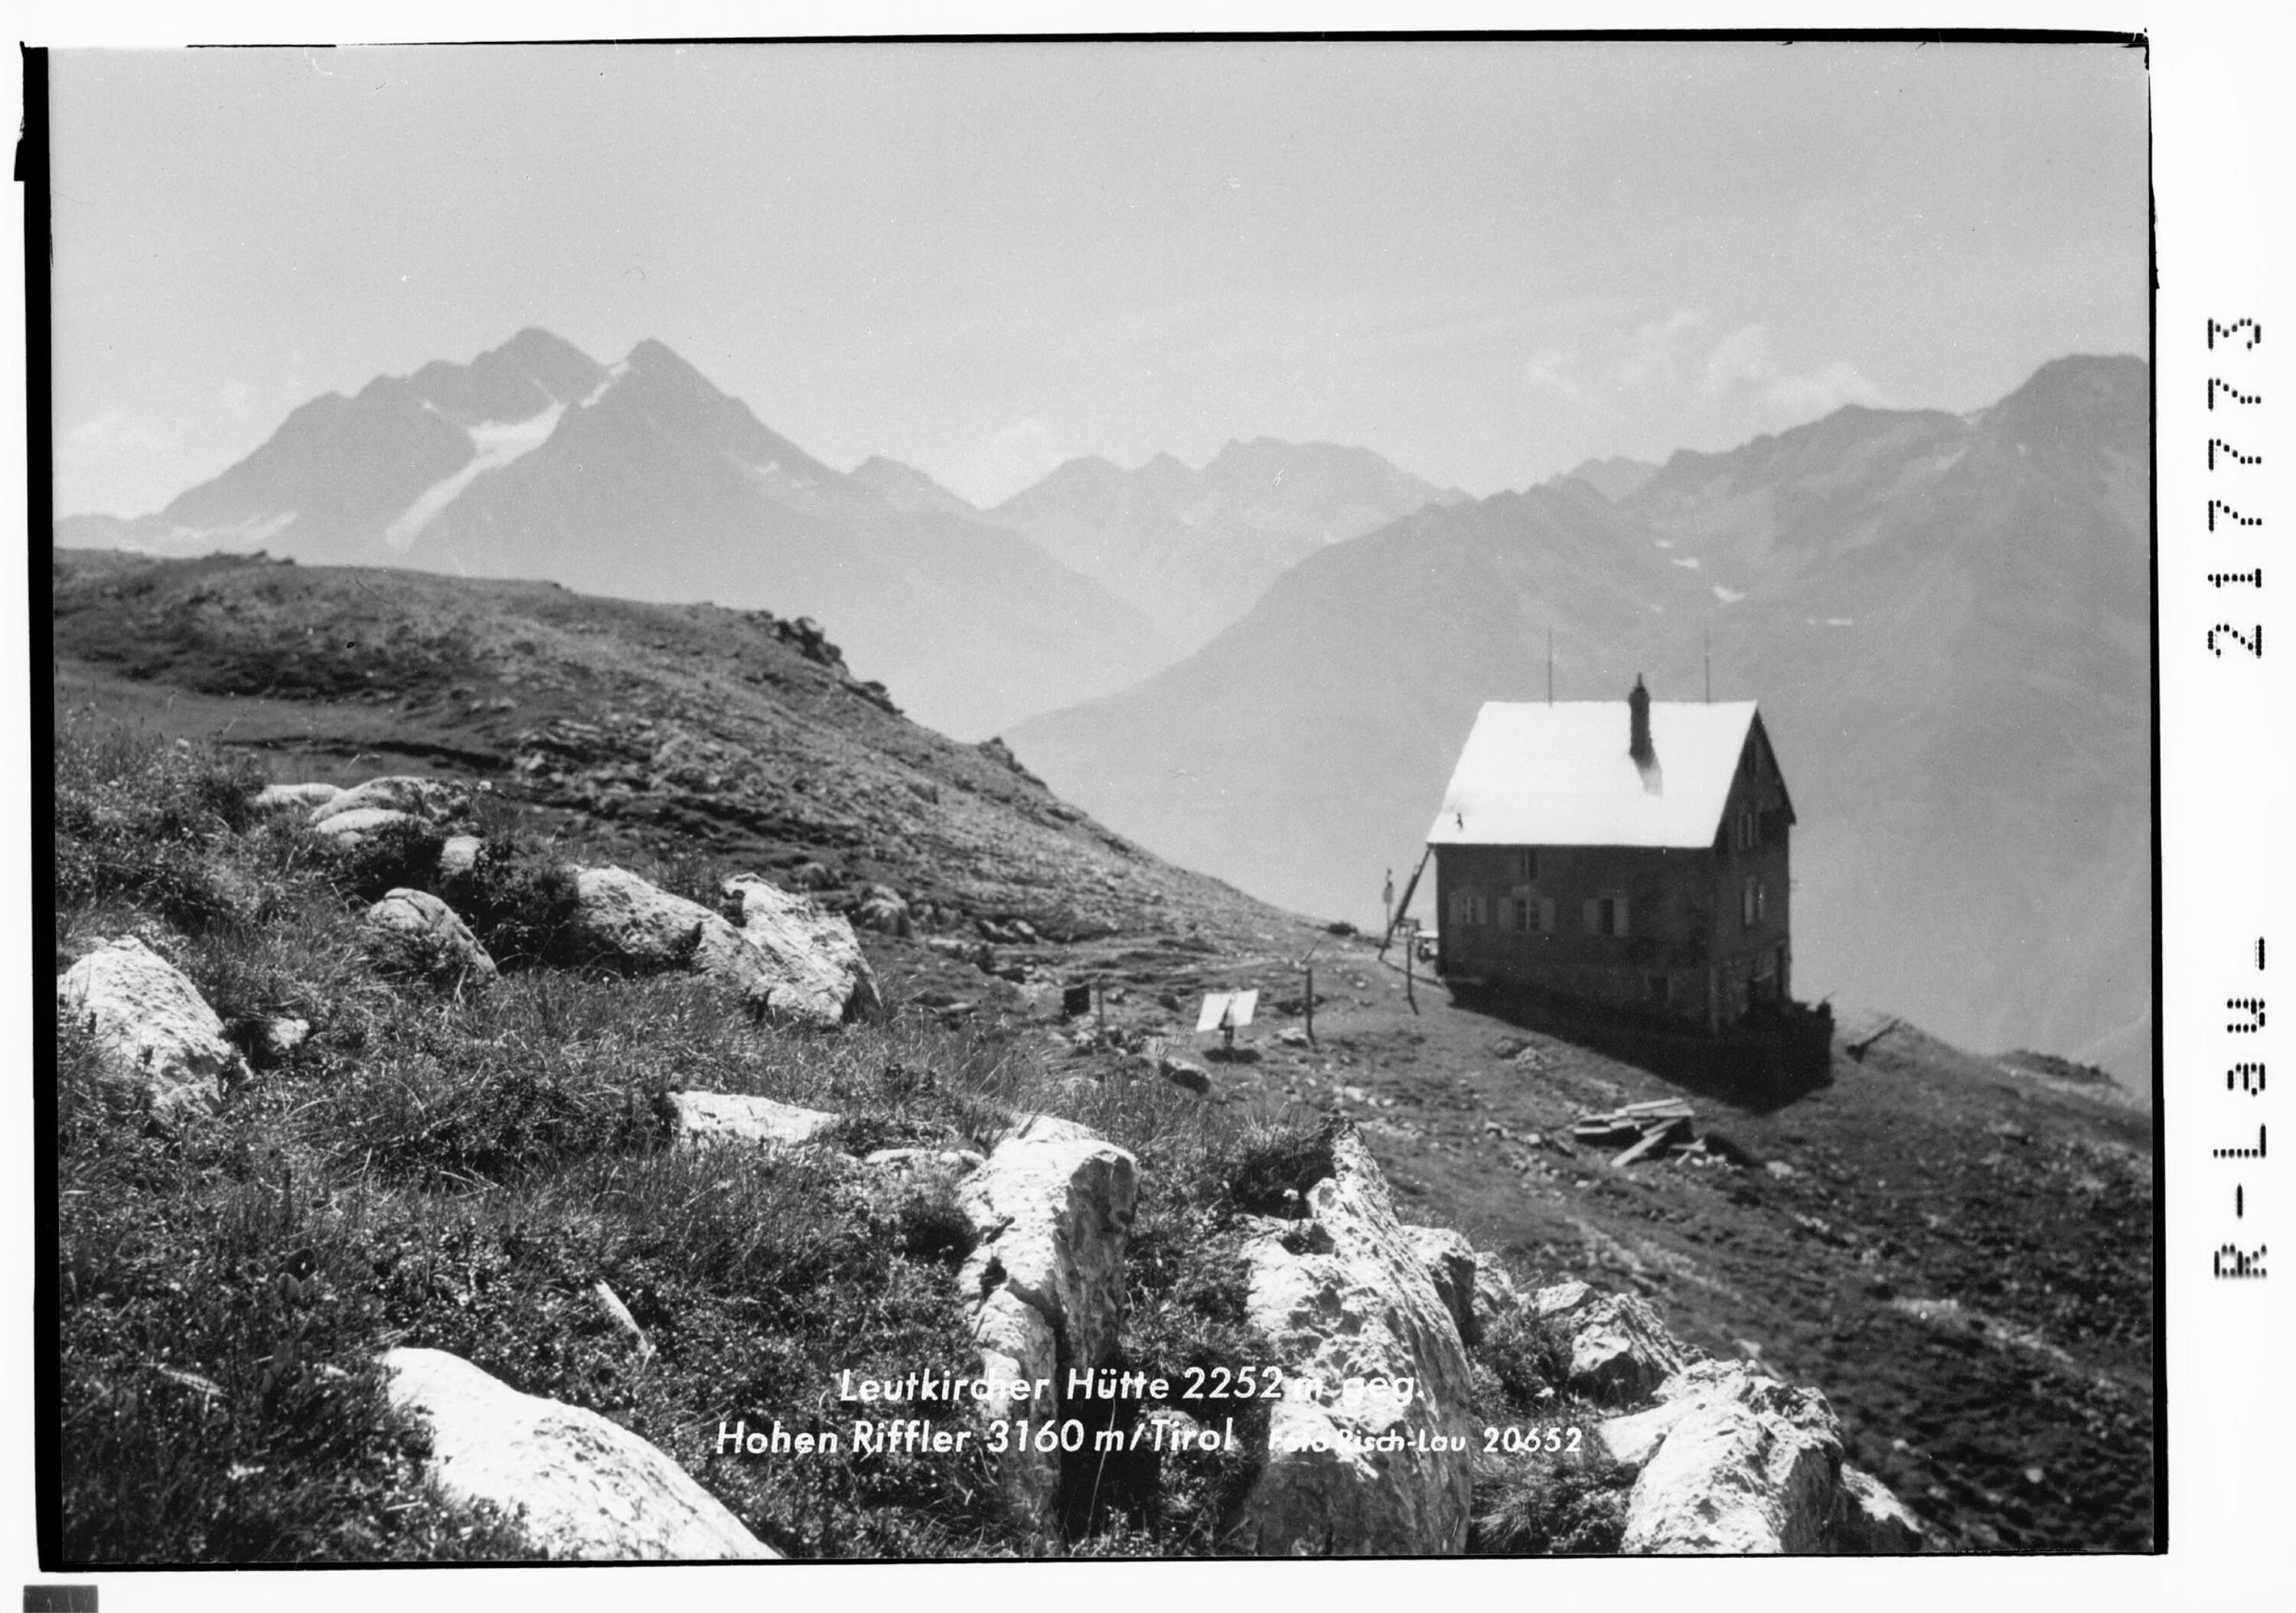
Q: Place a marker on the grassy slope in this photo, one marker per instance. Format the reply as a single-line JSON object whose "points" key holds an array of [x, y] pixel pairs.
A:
{"points": [[501, 1144]]}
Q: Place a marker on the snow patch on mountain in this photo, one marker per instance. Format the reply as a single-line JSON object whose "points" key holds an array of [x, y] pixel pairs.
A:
{"points": [[497, 444]]}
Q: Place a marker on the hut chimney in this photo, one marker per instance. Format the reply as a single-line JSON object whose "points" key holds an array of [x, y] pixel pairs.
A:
{"points": [[1638, 735]]}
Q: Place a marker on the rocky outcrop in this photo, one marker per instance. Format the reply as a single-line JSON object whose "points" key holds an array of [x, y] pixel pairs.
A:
{"points": [[1732, 1461], [432, 800], [414, 932], [153, 1033], [1053, 1216], [812, 971], [1357, 1323], [1620, 1350], [576, 1484], [699, 1119]]}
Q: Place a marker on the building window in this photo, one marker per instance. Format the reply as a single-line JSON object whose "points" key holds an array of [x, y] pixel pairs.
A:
{"points": [[1470, 910], [1749, 831], [1526, 867], [1747, 898], [1528, 912], [1761, 901], [1605, 915]]}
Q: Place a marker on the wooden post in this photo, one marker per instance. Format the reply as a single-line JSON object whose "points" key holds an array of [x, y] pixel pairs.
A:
{"points": [[1410, 962], [1308, 1003], [1100, 1006]]}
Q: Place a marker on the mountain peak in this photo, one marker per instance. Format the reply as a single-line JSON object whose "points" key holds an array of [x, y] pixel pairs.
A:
{"points": [[532, 371]]}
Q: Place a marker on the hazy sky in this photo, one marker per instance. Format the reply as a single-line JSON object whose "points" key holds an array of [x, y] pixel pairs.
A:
{"points": [[1486, 260]]}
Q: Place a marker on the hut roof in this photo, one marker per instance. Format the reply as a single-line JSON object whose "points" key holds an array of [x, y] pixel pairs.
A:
{"points": [[1539, 775]]}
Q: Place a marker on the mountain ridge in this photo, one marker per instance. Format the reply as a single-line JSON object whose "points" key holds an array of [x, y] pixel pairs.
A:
{"points": [[1194, 548]]}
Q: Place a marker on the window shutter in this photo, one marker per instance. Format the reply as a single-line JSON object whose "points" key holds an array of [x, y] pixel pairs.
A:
{"points": [[1591, 914], [1618, 917], [1546, 915]]}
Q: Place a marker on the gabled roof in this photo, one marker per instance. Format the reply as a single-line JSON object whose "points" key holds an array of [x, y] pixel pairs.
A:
{"points": [[1539, 775]]}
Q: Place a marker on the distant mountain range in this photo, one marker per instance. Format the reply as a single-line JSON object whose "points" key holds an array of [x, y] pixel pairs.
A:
{"points": [[1946, 620], [1193, 549], [642, 480]]}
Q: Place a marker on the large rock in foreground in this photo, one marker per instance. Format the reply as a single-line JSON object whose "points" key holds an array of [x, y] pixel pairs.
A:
{"points": [[1742, 1464], [1053, 1216], [792, 964], [1352, 1314], [152, 1030], [812, 972], [576, 1484], [627, 922]]}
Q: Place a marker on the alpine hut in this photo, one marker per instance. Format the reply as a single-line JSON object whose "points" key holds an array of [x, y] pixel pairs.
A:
{"points": [[1631, 858]]}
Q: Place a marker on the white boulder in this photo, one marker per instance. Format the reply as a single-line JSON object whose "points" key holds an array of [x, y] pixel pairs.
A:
{"points": [[812, 971], [152, 1029], [629, 922], [577, 1485], [414, 931], [1357, 1326], [701, 1118], [1054, 1216], [1743, 1465]]}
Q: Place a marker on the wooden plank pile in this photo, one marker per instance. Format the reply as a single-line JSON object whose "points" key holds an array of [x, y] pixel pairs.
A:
{"points": [[1645, 1129]]}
